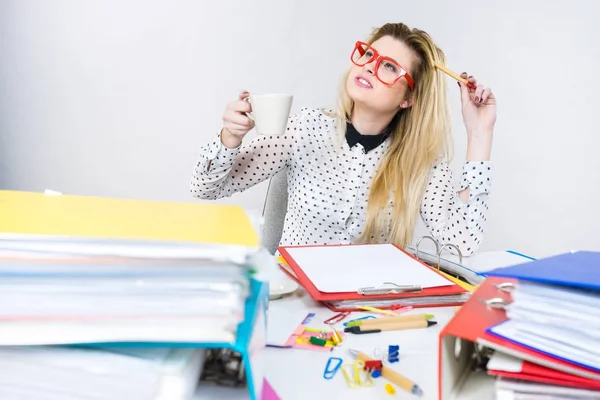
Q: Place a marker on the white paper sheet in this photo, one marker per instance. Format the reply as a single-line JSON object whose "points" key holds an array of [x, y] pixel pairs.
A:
{"points": [[503, 362], [510, 330], [335, 269]]}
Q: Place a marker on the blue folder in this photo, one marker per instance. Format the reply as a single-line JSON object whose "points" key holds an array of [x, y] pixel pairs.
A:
{"points": [[580, 269]]}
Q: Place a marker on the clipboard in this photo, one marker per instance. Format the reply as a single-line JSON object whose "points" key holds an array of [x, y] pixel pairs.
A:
{"points": [[385, 294]]}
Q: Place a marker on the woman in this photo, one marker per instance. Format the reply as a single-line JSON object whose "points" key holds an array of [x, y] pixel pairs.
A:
{"points": [[363, 173]]}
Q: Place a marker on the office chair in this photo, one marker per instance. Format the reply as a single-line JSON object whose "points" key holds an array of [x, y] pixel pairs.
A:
{"points": [[274, 211]]}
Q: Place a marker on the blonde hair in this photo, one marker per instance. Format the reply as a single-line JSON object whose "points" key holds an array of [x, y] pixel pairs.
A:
{"points": [[421, 136]]}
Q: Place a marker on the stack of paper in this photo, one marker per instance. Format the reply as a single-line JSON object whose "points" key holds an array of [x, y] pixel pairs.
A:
{"points": [[555, 310], [56, 372], [58, 290]]}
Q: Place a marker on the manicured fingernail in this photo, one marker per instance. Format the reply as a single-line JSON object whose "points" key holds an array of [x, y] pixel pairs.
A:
{"points": [[476, 99]]}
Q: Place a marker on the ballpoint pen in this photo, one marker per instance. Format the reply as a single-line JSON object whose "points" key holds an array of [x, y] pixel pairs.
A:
{"points": [[390, 374]]}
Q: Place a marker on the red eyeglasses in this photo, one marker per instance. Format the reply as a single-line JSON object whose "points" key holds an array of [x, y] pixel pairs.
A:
{"points": [[387, 70]]}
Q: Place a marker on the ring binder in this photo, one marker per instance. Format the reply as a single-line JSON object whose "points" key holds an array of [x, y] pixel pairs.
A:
{"points": [[391, 289], [460, 256], [437, 245], [467, 342], [506, 286], [496, 302]]}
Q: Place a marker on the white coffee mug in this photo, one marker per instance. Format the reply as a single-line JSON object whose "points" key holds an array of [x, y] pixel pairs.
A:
{"points": [[270, 112]]}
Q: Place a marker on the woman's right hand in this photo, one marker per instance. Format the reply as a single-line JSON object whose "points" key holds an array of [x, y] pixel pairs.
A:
{"points": [[236, 124]]}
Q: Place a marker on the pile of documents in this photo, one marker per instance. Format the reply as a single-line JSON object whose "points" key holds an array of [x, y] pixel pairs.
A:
{"points": [[73, 310], [68, 290], [78, 373], [555, 317]]}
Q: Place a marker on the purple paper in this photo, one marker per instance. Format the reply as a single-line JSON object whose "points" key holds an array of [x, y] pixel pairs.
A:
{"points": [[268, 393]]}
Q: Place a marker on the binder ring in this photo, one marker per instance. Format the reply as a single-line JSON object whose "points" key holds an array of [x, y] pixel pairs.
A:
{"points": [[460, 256], [505, 287], [496, 302], [437, 245]]}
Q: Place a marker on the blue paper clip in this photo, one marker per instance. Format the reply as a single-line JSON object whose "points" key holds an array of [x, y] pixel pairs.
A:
{"points": [[356, 319], [331, 370]]}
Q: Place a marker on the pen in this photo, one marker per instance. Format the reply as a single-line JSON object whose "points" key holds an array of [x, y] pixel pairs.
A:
{"points": [[390, 374], [396, 326], [390, 319]]}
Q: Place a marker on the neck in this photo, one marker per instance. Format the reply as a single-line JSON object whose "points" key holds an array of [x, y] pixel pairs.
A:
{"points": [[368, 122]]}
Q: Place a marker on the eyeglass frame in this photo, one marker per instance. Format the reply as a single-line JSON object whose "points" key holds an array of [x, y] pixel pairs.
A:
{"points": [[378, 58]]}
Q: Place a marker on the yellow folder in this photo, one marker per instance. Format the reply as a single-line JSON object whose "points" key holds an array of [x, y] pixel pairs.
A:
{"points": [[38, 213]]}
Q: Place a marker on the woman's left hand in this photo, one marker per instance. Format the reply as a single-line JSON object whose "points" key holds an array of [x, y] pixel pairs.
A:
{"points": [[478, 107]]}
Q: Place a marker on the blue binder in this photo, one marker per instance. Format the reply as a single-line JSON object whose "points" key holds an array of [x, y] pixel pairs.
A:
{"points": [[250, 340], [579, 269]]}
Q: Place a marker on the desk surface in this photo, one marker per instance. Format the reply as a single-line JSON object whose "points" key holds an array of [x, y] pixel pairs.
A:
{"points": [[295, 372]]}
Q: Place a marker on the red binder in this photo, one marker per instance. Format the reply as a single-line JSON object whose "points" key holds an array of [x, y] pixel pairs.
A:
{"points": [[469, 327], [450, 295], [536, 373]]}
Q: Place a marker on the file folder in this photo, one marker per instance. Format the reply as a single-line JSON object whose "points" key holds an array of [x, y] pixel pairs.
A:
{"points": [[88, 216], [30, 214], [505, 366], [464, 343], [579, 269]]}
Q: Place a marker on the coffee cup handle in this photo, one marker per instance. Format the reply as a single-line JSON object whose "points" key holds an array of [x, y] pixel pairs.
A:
{"points": [[249, 114]]}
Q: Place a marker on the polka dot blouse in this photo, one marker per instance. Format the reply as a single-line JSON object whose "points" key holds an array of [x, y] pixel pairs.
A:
{"points": [[328, 190]]}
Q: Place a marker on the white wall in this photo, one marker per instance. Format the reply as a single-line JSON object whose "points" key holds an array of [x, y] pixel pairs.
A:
{"points": [[113, 98]]}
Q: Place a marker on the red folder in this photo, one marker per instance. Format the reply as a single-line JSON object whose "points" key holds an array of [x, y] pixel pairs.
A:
{"points": [[299, 276], [551, 377], [469, 328]]}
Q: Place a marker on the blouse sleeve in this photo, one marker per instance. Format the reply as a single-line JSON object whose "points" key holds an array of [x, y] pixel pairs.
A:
{"points": [[447, 217], [221, 172]]}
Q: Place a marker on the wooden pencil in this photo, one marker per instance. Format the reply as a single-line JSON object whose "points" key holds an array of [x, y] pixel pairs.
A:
{"points": [[455, 76]]}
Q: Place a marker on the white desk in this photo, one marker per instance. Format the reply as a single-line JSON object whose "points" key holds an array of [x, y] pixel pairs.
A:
{"points": [[294, 373]]}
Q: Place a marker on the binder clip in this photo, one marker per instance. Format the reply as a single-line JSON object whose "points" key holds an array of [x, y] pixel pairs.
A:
{"points": [[317, 341], [373, 365], [393, 353], [336, 338], [330, 369]]}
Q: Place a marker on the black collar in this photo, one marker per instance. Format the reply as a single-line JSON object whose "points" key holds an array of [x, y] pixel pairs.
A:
{"points": [[369, 142]]}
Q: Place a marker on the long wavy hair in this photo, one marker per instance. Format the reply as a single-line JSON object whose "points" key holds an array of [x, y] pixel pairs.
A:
{"points": [[421, 136]]}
